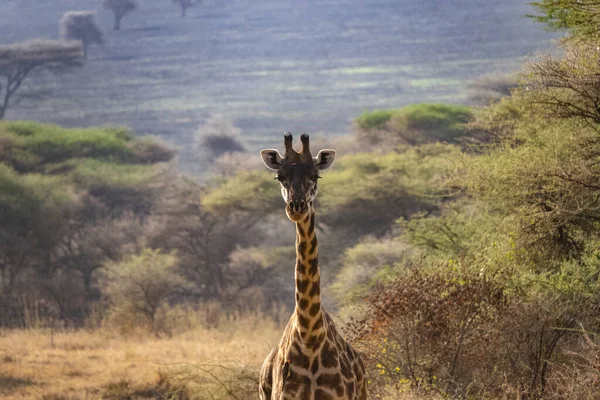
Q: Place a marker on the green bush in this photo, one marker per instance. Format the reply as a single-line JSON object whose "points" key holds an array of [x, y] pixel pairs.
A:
{"points": [[368, 191], [459, 227], [138, 288], [545, 187], [376, 119], [246, 191], [34, 205], [415, 124], [578, 16], [30, 146]]}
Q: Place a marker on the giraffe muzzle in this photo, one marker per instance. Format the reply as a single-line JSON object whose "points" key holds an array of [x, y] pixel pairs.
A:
{"points": [[296, 209]]}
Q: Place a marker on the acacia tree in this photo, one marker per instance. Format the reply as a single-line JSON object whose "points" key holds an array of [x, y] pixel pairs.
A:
{"points": [[567, 87], [81, 25], [19, 60], [185, 4], [580, 17], [119, 8]]}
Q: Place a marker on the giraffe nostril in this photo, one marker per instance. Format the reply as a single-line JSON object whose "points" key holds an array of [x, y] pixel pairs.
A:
{"points": [[301, 205], [297, 206]]}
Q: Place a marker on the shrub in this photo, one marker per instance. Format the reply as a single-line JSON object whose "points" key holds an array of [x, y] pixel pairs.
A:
{"points": [[63, 193], [377, 119], [547, 186], [232, 194], [366, 192], [229, 164], [258, 279], [580, 377], [414, 124], [461, 227], [139, 286], [151, 150], [116, 187], [429, 330], [365, 263], [219, 136], [30, 146]]}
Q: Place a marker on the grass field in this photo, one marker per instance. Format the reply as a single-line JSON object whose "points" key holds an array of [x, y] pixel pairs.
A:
{"points": [[201, 363], [272, 65]]}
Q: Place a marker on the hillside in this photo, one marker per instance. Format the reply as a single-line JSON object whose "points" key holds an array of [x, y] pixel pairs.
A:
{"points": [[273, 66]]}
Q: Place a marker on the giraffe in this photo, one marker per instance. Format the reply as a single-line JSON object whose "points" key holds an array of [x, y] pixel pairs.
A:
{"points": [[312, 361]]}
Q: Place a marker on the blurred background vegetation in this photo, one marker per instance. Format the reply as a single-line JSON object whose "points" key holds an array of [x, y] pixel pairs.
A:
{"points": [[459, 243]]}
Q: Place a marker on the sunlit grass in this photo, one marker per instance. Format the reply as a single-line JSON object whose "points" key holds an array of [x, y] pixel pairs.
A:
{"points": [[91, 365]]}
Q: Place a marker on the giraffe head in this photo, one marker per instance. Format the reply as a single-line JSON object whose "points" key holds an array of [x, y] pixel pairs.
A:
{"points": [[297, 172]]}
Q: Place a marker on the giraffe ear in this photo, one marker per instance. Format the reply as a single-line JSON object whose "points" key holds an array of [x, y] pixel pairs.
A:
{"points": [[271, 158], [324, 159]]}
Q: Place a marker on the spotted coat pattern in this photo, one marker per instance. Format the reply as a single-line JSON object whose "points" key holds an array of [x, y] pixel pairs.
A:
{"points": [[312, 361]]}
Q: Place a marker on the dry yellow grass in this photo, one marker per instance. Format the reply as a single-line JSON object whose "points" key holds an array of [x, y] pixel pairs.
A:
{"points": [[39, 364]]}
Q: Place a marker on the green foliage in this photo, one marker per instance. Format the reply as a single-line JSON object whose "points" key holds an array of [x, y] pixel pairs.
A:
{"points": [[524, 220], [119, 187], [456, 229], [246, 191], [376, 119], [106, 163], [31, 205], [368, 191], [63, 195], [578, 16], [93, 174], [415, 124], [567, 86], [139, 285], [29, 146], [437, 121], [548, 186], [497, 122]]}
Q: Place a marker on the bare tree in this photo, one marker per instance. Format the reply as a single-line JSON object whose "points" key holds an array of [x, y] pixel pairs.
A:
{"points": [[18, 60], [81, 25], [185, 4], [119, 8]]}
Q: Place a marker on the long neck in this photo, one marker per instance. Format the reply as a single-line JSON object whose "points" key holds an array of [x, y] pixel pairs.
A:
{"points": [[308, 281]]}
